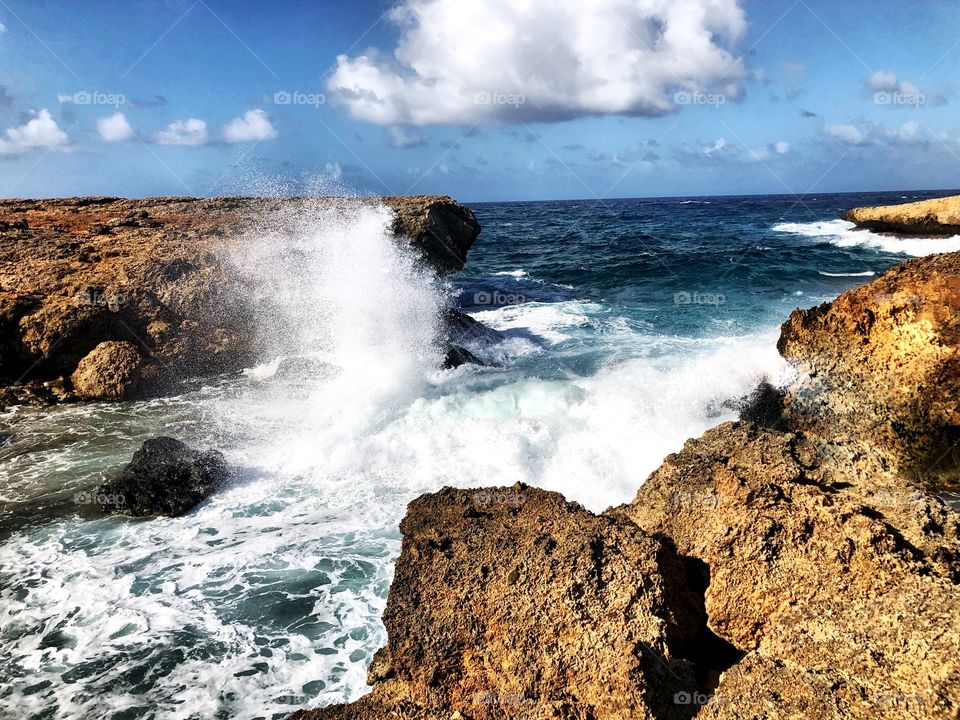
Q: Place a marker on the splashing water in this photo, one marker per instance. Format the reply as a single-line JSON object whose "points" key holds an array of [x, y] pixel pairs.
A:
{"points": [[268, 597]]}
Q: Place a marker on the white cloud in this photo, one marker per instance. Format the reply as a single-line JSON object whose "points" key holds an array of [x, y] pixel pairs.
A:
{"points": [[41, 131], [183, 132], [3, 28], [403, 137], [782, 147], [849, 134], [253, 126], [888, 89], [115, 128], [554, 59]]}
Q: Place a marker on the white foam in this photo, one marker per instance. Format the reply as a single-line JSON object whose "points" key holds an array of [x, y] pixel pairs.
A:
{"points": [[865, 273], [845, 234]]}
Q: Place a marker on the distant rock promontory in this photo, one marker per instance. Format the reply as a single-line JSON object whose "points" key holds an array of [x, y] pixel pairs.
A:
{"points": [[940, 216]]}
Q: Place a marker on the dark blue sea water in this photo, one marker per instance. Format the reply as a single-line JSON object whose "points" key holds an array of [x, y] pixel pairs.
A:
{"points": [[629, 324]]}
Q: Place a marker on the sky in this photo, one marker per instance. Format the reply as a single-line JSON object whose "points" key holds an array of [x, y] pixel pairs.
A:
{"points": [[483, 100]]}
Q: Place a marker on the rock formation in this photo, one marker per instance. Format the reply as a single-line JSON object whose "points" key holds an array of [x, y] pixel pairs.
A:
{"points": [[940, 216], [157, 274], [880, 366], [800, 570], [165, 477]]}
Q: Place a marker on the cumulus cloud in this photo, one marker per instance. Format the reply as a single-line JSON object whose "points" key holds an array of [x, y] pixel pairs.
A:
{"points": [[555, 59], [254, 126], [404, 137], [848, 134], [722, 151], [183, 132], [41, 131], [115, 128], [888, 89]]}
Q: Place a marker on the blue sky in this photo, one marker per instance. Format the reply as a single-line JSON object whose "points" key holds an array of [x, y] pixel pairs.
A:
{"points": [[479, 99]]}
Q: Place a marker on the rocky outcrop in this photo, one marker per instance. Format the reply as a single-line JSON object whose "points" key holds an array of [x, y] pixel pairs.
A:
{"points": [[516, 603], [159, 274], [841, 589], [165, 477], [110, 372], [879, 366], [940, 216]]}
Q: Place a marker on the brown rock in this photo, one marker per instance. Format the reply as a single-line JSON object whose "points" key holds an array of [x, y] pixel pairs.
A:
{"points": [[160, 273], [110, 372], [940, 216], [515, 603], [879, 366], [843, 591]]}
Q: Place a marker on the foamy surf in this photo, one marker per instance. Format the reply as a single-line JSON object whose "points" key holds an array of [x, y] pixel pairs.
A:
{"points": [[846, 235]]}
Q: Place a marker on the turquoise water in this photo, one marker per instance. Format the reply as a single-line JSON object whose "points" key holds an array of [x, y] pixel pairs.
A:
{"points": [[628, 324]]}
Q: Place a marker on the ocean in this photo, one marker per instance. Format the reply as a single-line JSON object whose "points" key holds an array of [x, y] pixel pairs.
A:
{"points": [[629, 326]]}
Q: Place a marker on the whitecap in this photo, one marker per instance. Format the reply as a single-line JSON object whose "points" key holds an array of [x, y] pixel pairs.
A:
{"points": [[844, 234]]}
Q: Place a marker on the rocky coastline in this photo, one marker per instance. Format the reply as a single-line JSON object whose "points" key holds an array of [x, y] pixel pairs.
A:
{"points": [[939, 216], [110, 299], [797, 563], [803, 567]]}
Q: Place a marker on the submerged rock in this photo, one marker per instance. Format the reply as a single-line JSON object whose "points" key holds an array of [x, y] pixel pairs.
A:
{"points": [[111, 371], [457, 356], [940, 216], [165, 477]]}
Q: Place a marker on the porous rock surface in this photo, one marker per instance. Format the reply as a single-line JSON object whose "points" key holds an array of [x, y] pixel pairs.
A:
{"points": [[939, 216], [160, 274]]}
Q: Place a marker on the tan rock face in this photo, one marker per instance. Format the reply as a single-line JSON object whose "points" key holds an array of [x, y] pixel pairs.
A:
{"points": [[160, 272], [940, 216], [844, 593], [880, 366], [111, 371], [515, 603]]}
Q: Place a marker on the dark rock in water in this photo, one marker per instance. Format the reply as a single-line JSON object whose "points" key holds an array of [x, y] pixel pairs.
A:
{"points": [[166, 477], [764, 406], [6, 438], [457, 356], [461, 329]]}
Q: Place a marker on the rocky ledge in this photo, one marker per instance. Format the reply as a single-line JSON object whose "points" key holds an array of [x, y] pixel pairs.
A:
{"points": [[108, 298], [792, 571], [940, 216]]}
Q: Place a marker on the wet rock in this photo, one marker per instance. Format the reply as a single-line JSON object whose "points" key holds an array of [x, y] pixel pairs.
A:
{"points": [[457, 356], [165, 477], [940, 216], [764, 406], [110, 372]]}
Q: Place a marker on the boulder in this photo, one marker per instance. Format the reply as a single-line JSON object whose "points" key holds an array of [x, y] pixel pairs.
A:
{"points": [[512, 602], [939, 216], [165, 477], [111, 371], [457, 356]]}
